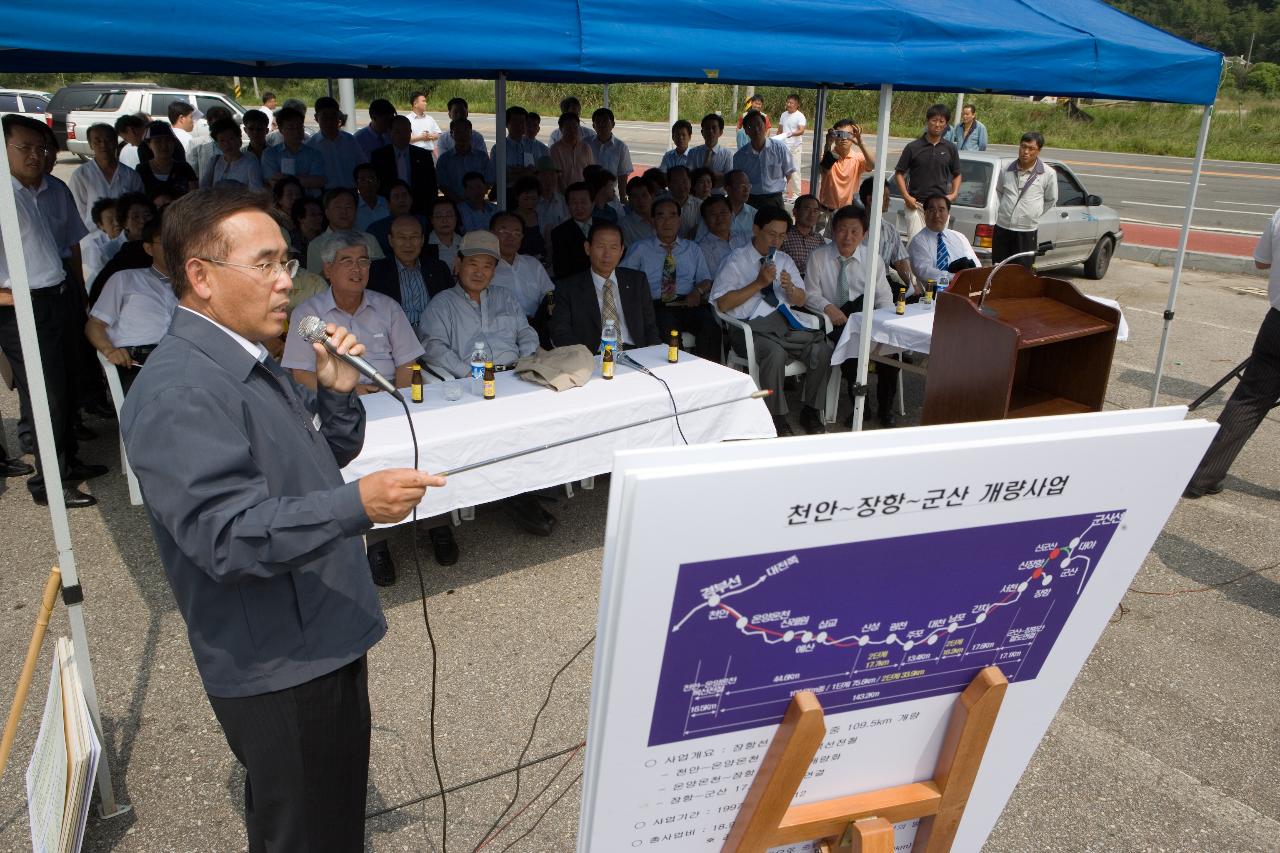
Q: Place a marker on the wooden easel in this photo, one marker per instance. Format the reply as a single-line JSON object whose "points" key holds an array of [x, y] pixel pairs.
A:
{"points": [[51, 587], [863, 823]]}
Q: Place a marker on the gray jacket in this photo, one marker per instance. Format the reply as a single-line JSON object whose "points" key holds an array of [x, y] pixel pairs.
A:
{"points": [[258, 533]]}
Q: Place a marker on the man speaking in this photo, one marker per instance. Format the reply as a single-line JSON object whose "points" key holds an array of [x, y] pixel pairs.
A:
{"points": [[258, 533]]}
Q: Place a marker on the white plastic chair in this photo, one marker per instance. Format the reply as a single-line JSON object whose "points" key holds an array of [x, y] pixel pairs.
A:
{"points": [[794, 367], [117, 400]]}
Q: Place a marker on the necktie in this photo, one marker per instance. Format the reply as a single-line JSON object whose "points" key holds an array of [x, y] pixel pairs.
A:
{"points": [[771, 298], [842, 282], [610, 310], [669, 277], [944, 258]]}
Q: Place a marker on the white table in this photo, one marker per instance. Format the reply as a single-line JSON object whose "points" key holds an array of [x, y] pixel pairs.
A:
{"points": [[524, 415], [913, 332]]}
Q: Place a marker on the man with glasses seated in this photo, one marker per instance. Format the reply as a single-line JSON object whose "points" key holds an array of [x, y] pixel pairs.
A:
{"points": [[378, 322], [134, 311]]}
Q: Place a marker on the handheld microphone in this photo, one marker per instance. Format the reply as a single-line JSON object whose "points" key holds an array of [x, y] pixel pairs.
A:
{"points": [[312, 329], [632, 363]]}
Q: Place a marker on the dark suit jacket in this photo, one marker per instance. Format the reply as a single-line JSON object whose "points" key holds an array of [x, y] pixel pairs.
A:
{"points": [[567, 253], [576, 319], [422, 174], [384, 278], [257, 532]]}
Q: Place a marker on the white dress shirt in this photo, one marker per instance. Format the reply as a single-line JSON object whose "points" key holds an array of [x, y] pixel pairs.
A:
{"points": [[743, 225], [184, 137], [624, 334], [424, 124], [716, 250], [740, 268], [923, 252], [96, 249], [58, 207], [44, 261], [767, 168], [88, 184], [245, 171], [822, 280], [137, 306], [446, 253], [614, 156], [366, 215], [445, 142], [129, 156], [721, 158], [1268, 252], [526, 278]]}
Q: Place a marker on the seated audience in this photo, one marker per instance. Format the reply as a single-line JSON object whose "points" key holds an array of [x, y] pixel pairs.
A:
{"points": [[460, 160], [307, 222], [525, 195], [99, 245], [679, 281], [291, 156], [399, 203], [523, 275], [604, 197], [938, 252], [719, 240], [284, 194], [133, 212], [835, 284], [134, 310], [603, 291], [568, 239], [763, 294], [742, 216], [680, 188], [476, 209], [638, 224], [803, 237], [340, 213], [444, 234], [408, 275], [552, 209], [370, 205], [892, 250], [703, 183]]}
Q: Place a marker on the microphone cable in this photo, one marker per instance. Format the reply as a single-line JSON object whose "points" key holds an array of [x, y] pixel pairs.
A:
{"points": [[431, 642], [635, 365]]}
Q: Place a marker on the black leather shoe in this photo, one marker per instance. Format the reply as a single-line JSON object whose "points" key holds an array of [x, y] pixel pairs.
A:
{"points": [[528, 516], [27, 443], [888, 419], [103, 410], [16, 468], [381, 566], [444, 545], [82, 432], [783, 426], [73, 498], [78, 470], [1193, 493], [811, 421]]}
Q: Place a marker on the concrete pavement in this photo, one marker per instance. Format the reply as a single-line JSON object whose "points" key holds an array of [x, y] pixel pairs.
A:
{"points": [[1167, 741]]}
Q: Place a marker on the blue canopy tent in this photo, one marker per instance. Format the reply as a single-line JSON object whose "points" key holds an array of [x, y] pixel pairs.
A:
{"points": [[1064, 47]]}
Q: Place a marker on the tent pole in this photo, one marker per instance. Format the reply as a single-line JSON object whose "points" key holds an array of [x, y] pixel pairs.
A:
{"points": [[819, 139], [347, 101], [873, 254], [500, 138], [1201, 144], [959, 108], [673, 108], [27, 333], [606, 96]]}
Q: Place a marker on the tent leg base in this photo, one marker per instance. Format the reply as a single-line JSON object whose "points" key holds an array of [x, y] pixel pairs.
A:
{"points": [[121, 808]]}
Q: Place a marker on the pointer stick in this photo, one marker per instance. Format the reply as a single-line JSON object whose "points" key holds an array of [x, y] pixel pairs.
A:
{"points": [[756, 395]]}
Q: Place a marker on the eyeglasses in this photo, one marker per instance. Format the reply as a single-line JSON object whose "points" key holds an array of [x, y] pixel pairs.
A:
{"points": [[269, 271], [353, 263], [40, 151]]}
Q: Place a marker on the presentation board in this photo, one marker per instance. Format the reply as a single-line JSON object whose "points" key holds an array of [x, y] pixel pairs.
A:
{"points": [[880, 571]]}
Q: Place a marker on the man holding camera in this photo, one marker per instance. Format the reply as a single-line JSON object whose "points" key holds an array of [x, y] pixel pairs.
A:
{"points": [[843, 165]]}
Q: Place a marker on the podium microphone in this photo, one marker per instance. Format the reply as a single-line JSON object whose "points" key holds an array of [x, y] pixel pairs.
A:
{"points": [[312, 329]]}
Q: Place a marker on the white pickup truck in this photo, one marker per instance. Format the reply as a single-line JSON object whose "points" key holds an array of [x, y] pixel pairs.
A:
{"points": [[113, 103]]}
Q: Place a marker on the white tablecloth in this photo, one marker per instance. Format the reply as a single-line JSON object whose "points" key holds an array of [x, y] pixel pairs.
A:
{"points": [[524, 415], [913, 331]]}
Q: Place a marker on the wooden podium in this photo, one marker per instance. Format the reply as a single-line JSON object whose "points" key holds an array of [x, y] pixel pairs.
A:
{"points": [[1046, 350]]}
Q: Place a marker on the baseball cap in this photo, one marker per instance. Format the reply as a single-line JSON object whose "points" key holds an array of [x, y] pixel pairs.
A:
{"points": [[546, 164], [480, 243]]}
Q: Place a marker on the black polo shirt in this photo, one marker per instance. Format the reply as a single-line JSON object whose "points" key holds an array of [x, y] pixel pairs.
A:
{"points": [[929, 168]]}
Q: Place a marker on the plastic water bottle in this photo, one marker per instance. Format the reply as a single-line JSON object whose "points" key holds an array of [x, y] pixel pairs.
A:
{"points": [[609, 336], [479, 355]]}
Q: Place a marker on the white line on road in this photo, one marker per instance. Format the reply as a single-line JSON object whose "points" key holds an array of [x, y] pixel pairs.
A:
{"points": [[1247, 203], [1145, 180], [1196, 228], [1201, 209]]}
